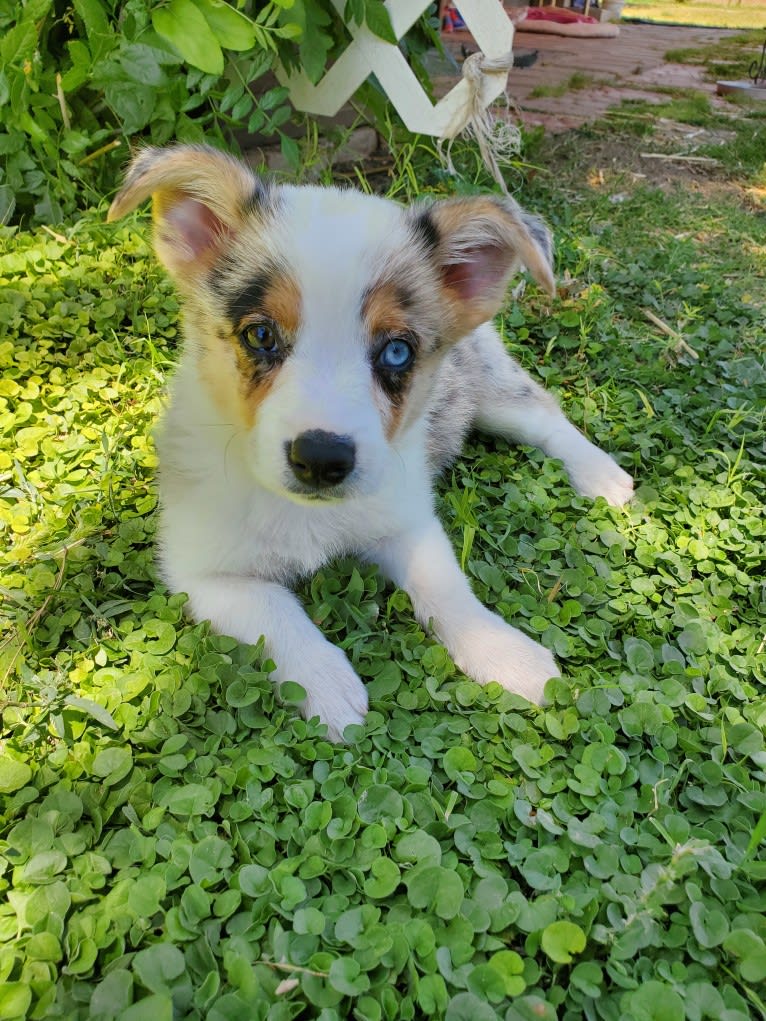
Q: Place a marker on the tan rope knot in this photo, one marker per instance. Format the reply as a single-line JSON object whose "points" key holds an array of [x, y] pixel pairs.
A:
{"points": [[498, 140]]}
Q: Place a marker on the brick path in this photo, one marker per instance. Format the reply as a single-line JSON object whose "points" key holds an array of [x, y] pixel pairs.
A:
{"points": [[621, 68]]}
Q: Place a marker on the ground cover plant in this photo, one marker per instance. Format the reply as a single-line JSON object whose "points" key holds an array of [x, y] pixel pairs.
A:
{"points": [[174, 843]]}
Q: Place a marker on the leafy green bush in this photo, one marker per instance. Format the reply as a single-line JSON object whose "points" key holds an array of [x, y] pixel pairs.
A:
{"points": [[175, 843], [79, 79]]}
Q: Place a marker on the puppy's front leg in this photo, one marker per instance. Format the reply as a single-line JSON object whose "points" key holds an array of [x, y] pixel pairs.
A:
{"points": [[481, 643], [247, 608]]}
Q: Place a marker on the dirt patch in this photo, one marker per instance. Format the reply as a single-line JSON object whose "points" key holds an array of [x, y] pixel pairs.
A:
{"points": [[619, 162], [612, 159]]}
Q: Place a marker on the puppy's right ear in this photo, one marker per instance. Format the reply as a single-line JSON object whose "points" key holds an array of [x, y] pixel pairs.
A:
{"points": [[477, 244], [201, 197]]}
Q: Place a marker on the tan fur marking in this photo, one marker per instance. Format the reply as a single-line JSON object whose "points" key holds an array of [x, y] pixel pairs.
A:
{"points": [[463, 316], [255, 391], [230, 377], [247, 381], [394, 416], [383, 311], [451, 216], [282, 304], [219, 370]]}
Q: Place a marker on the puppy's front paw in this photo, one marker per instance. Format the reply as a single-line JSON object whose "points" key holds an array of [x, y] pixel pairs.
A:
{"points": [[488, 649], [334, 692], [595, 473]]}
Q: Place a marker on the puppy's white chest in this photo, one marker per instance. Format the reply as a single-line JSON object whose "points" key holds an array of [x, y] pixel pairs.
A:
{"points": [[289, 541]]}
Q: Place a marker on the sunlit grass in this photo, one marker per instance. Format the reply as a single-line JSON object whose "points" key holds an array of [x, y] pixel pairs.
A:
{"points": [[705, 15]]}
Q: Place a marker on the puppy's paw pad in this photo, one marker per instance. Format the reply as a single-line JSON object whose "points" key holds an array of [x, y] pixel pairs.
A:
{"points": [[490, 650]]}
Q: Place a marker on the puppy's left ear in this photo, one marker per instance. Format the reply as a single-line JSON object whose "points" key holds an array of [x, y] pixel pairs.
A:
{"points": [[479, 244]]}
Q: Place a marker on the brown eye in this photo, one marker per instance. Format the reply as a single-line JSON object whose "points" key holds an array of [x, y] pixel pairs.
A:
{"points": [[261, 339]]}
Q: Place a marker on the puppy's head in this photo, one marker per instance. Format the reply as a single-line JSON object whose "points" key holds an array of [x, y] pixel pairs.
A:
{"points": [[318, 317]]}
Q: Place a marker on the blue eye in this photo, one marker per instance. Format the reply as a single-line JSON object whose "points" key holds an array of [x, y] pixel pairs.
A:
{"points": [[260, 339], [395, 356]]}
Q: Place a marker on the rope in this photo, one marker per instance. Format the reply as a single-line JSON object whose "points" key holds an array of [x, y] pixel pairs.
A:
{"points": [[498, 140]]}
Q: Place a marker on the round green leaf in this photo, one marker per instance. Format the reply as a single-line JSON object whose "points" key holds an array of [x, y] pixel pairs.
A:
{"points": [[383, 879], [309, 921], [347, 977], [436, 889], [13, 775], [380, 802], [253, 880], [83, 957], [113, 764], [15, 998], [510, 967], [468, 1007], [418, 846], [562, 939], [487, 983], [639, 655], [751, 951], [113, 994], [43, 946], [209, 859], [432, 994], [163, 636], [192, 799], [226, 903], [709, 925], [457, 761], [531, 1008], [655, 1001], [587, 977], [158, 966], [151, 1008], [44, 867]]}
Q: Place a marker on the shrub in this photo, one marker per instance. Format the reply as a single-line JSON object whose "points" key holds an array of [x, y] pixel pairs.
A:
{"points": [[79, 80]]}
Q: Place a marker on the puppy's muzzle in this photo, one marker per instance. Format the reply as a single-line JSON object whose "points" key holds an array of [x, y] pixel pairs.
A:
{"points": [[321, 460]]}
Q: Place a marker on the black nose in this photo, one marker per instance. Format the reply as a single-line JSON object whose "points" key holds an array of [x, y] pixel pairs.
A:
{"points": [[321, 459]]}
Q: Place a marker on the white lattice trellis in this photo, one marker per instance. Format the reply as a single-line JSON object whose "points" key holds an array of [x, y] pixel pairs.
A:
{"points": [[367, 54]]}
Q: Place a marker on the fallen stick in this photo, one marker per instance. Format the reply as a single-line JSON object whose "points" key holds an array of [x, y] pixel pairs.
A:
{"points": [[681, 344], [677, 156]]}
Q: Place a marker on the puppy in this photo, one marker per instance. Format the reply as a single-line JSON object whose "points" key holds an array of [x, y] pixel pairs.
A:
{"points": [[338, 349]]}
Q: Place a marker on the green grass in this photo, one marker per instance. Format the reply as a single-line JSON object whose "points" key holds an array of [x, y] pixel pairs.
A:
{"points": [[682, 106], [738, 15], [741, 154], [687, 107], [176, 844], [578, 80], [729, 58]]}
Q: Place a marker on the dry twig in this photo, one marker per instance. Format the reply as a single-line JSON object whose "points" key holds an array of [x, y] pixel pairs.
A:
{"points": [[679, 156], [681, 344]]}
